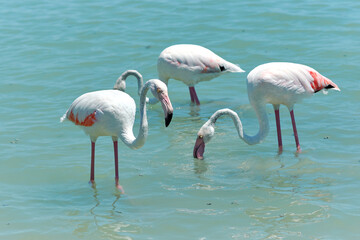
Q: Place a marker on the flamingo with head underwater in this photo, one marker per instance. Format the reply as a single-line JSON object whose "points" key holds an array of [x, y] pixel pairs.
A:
{"points": [[112, 113], [275, 83], [191, 64]]}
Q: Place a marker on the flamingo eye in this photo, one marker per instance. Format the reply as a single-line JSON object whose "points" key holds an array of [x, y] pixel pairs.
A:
{"points": [[200, 136], [158, 90]]}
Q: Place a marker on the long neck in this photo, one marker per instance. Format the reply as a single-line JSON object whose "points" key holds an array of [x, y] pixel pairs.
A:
{"points": [[140, 140], [263, 123], [121, 84]]}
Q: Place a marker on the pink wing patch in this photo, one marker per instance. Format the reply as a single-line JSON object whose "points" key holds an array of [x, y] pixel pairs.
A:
{"points": [[205, 69], [320, 82], [87, 122], [210, 66]]}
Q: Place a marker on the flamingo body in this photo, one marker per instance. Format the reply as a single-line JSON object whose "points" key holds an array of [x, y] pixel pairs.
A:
{"points": [[112, 113], [103, 113], [277, 83], [192, 64], [284, 83]]}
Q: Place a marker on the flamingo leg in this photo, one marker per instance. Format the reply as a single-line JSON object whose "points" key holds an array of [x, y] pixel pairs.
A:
{"points": [[278, 128], [295, 131], [116, 163], [92, 171], [118, 186], [193, 95]]}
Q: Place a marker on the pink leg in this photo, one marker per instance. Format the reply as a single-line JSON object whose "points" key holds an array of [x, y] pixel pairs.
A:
{"points": [[92, 171], [295, 131], [116, 163], [193, 96], [278, 128], [118, 186]]}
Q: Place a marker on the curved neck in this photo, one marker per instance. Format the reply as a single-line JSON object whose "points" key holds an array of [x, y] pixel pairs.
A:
{"points": [[263, 123], [121, 84], [139, 141]]}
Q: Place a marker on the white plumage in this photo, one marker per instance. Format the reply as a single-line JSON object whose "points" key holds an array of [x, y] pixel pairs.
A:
{"points": [[192, 64], [284, 83], [275, 83], [112, 113]]}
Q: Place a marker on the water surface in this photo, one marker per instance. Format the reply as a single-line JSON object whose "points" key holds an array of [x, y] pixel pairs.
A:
{"points": [[52, 52]]}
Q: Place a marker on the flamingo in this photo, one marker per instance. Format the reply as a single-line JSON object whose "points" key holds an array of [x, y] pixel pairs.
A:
{"points": [[191, 64], [275, 83], [112, 113]]}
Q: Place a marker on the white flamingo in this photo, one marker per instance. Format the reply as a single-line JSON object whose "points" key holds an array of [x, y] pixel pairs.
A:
{"points": [[274, 83], [192, 64], [112, 113]]}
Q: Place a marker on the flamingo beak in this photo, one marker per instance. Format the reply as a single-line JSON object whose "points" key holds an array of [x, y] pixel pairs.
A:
{"points": [[167, 107], [199, 148]]}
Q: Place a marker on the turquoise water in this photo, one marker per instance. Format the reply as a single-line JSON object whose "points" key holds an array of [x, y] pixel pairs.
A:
{"points": [[54, 51]]}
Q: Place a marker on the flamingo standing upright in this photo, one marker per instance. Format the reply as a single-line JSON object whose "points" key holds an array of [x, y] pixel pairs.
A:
{"points": [[191, 64], [112, 113], [275, 83]]}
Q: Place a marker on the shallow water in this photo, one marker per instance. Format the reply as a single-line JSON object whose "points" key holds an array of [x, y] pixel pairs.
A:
{"points": [[54, 52]]}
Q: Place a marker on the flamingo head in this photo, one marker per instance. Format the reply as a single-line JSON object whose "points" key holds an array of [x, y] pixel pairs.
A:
{"points": [[160, 92], [120, 85], [204, 135]]}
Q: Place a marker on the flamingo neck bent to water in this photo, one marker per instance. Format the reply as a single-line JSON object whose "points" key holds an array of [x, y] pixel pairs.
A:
{"points": [[263, 124]]}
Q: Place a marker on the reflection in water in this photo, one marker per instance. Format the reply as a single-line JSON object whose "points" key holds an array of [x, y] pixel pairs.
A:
{"points": [[89, 225], [200, 166], [289, 198], [97, 203], [117, 195], [194, 110], [106, 217], [279, 159], [113, 212]]}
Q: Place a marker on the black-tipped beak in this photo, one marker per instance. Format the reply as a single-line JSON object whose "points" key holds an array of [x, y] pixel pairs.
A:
{"points": [[199, 148], [168, 118], [167, 107]]}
